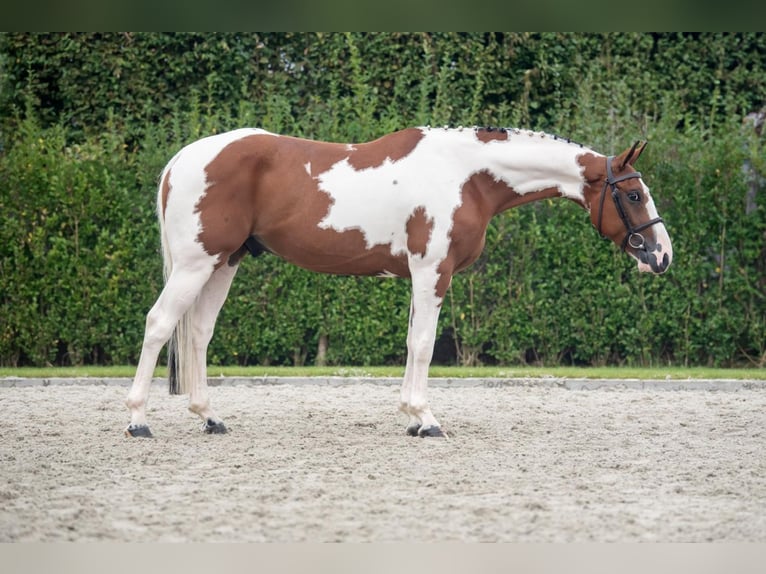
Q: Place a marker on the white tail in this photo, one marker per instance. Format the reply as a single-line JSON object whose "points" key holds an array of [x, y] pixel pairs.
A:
{"points": [[182, 365]]}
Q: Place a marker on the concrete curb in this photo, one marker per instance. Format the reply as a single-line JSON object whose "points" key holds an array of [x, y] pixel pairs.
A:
{"points": [[543, 382]]}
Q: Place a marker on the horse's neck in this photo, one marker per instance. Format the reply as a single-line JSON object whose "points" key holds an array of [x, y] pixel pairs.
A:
{"points": [[526, 167]]}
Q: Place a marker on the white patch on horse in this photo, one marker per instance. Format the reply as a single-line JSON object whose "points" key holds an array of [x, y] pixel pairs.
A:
{"points": [[432, 176], [307, 167], [662, 239]]}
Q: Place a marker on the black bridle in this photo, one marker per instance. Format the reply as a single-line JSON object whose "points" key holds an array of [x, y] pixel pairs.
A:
{"points": [[632, 237]]}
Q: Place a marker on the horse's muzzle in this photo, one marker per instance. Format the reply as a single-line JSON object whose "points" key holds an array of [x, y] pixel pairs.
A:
{"points": [[654, 261]]}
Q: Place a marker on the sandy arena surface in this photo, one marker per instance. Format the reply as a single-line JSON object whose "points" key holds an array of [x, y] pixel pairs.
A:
{"points": [[332, 463]]}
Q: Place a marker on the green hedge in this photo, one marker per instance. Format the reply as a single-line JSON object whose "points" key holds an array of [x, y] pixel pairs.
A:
{"points": [[88, 120]]}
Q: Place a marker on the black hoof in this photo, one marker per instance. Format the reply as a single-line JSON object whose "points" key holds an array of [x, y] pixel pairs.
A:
{"points": [[139, 431], [431, 432], [412, 430], [212, 427]]}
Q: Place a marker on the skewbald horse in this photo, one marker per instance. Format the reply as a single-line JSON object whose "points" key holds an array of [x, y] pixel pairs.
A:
{"points": [[414, 203]]}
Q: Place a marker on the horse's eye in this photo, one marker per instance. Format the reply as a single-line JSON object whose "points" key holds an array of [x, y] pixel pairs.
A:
{"points": [[634, 196]]}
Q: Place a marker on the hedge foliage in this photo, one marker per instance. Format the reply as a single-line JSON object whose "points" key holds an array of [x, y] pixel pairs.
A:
{"points": [[87, 122]]}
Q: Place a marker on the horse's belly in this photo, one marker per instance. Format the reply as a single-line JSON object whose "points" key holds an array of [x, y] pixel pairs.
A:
{"points": [[339, 253]]}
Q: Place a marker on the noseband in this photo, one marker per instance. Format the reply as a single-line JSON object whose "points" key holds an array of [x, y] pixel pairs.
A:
{"points": [[632, 237]]}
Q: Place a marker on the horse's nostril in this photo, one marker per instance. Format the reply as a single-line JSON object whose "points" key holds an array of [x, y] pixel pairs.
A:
{"points": [[660, 266]]}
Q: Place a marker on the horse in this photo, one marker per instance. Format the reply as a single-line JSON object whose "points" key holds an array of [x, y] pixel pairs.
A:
{"points": [[414, 203]]}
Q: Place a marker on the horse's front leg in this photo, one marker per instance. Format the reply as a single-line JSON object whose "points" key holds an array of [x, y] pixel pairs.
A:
{"points": [[421, 336]]}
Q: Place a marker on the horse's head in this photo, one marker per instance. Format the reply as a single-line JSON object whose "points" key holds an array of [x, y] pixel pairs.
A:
{"points": [[622, 209]]}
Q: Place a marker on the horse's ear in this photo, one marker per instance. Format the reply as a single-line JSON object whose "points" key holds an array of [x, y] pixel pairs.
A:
{"points": [[629, 157], [639, 152]]}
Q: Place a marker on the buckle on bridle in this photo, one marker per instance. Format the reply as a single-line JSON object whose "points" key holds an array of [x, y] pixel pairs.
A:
{"points": [[637, 245]]}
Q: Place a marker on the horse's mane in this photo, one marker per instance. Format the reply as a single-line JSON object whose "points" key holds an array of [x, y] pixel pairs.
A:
{"points": [[517, 131]]}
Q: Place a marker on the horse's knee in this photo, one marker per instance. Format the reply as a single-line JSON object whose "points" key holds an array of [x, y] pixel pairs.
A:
{"points": [[421, 350]]}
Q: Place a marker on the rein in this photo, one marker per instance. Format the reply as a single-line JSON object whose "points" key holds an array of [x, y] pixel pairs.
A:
{"points": [[632, 232]]}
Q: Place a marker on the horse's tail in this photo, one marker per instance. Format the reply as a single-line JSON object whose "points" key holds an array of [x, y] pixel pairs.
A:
{"points": [[181, 361]]}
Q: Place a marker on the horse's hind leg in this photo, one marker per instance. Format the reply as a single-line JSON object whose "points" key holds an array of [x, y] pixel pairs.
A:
{"points": [[176, 298], [203, 318]]}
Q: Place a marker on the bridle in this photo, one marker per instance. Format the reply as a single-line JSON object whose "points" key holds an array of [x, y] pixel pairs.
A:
{"points": [[632, 237]]}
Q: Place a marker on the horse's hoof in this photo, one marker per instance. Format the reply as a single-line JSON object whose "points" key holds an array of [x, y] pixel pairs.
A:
{"points": [[212, 427], [432, 431], [141, 431], [412, 430]]}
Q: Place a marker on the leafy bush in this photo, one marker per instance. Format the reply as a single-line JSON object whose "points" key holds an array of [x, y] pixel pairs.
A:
{"points": [[87, 121]]}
